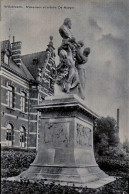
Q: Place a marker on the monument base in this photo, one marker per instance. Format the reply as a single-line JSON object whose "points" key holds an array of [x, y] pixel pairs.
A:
{"points": [[90, 177], [65, 154]]}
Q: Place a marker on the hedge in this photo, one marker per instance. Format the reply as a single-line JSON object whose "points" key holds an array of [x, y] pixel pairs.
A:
{"points": [[14, 162], [25, 187], [114, 167]]}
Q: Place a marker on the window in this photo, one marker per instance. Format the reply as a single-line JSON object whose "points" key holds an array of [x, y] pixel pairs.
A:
{"points": [[41, 98], [50, 83], [9, 135], [22, 137], [23, 101], [10, 96]]}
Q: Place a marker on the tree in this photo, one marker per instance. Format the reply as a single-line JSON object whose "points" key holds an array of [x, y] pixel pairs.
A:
{"points": [[126, 145], [105, 135]]}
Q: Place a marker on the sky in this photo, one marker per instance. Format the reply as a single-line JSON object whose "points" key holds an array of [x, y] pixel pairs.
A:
{"points": [[103, 25]]}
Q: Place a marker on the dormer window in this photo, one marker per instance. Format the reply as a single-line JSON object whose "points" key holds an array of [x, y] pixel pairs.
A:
{"points": [[5, 51], [5, 56], [6, 59], [35, 61]]}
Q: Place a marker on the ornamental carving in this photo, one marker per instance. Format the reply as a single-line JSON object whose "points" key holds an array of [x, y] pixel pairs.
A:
{"points": [[56, 134], [83, 136]]}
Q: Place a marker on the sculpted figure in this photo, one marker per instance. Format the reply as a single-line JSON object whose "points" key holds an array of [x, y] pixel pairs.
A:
{"points": [[70, 72], [66, 59], [81, 58], [64, 30], [72, 79], [68, 39], [81, 66]]}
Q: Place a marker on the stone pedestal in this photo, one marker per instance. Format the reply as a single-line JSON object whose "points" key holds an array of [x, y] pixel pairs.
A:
{"points": [[65, 153]]}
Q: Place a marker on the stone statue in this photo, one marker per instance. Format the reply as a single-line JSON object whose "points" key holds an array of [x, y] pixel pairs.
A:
{"points": [[64, 30], [68, 39], [70, 75], [82, 58], [72, 78]]}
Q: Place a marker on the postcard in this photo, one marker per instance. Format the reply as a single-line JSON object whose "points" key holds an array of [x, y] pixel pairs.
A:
{"points": [[64, 95]]}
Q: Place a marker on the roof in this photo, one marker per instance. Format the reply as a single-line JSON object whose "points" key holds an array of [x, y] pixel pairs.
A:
{"points": [[20, 70], [28, 61]]}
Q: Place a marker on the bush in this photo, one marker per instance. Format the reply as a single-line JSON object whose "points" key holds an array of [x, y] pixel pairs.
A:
{"points": [[14, 162], [117, 187], [115, 167]]}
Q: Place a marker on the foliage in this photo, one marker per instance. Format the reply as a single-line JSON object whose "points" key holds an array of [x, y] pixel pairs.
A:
{"points": [[17, 149], [119, 186], [106, 136], [14, 162], [114, 167], [126, 145]]}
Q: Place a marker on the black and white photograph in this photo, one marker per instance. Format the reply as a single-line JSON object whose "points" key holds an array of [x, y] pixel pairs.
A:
{"points": [[64, 96]]}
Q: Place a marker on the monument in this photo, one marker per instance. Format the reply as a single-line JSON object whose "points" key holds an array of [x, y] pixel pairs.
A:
{"points": [[65, 152]]}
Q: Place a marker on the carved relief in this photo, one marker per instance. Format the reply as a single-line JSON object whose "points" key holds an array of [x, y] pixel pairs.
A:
{"points": [[57, 134], [84, 136]]}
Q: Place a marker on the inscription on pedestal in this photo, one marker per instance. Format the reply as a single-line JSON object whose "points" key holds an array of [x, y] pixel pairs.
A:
{"points": [[83, 136], [56, 134]]}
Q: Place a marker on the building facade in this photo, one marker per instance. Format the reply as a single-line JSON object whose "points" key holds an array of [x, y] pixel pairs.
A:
{"points": [[25, 81]]}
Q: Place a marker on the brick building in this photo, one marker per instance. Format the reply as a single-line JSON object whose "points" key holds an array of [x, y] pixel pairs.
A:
{"points": [[25, 81]]}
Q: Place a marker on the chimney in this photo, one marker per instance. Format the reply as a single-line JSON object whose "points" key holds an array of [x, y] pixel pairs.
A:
{"points": [[16, 51], [118, 114]]}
